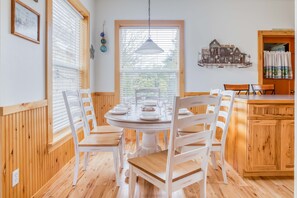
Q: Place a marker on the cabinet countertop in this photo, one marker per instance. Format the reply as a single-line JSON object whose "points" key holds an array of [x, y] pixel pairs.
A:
{"points": [[265, 99]]}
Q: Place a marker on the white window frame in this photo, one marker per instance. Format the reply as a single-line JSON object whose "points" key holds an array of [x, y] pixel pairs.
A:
{"points": [[54, 140], [154, 23]]}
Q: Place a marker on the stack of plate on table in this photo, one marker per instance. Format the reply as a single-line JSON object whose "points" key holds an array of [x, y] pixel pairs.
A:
{"points": [[148, 108], [150, 103], [119, 110], [149, 116]]}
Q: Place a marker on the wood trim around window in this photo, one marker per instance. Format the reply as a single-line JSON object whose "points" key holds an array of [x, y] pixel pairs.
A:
{"points": [[262, 34], [143, 23], [85, 68]]}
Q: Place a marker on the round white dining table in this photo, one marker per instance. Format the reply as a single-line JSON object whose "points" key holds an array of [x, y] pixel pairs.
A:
{"points": [[149, 128]]}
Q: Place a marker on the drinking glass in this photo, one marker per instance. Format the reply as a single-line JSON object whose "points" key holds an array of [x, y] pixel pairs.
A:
{"points": [[160, 104]]}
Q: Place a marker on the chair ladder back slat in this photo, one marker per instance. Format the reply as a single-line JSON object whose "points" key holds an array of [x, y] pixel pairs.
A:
{"points": [[88, 109], [223, 114], [192, 138], [221, 125], [86, 100], [227, 112], [190, 155], [196, 120], [238, 88], [85, 95], [73, 113], [78, 125], [204, 100]]}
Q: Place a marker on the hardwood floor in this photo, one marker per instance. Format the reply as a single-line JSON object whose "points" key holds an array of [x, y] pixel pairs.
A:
{"points": [[99, 181]]}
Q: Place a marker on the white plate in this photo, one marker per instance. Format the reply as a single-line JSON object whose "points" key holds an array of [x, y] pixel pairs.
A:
{"points": [[120, 109], [123, 106], [117, 112], [149, 116]]}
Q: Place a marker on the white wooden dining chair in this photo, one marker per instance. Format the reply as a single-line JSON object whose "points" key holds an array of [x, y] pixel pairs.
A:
{"points": [[141, 95], [171, 170], [222, 123], [89, 112], [91, 142]]}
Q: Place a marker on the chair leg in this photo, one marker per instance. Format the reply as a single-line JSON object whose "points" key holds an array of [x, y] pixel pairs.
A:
{"points": [[76, 166], [165, 140], [123, 142], [168, 191], [224, 172], [213, 160], [137, 139], [121, 155], [132, 182], [86, 159], [116, 165], [202, 184]]}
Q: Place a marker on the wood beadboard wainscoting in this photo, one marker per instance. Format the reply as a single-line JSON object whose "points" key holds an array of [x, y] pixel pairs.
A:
{"points": [[24, 146], [104, 101]]}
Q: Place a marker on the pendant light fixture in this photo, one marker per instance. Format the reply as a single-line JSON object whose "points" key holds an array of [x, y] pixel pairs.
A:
{"points": [[149, 47]]}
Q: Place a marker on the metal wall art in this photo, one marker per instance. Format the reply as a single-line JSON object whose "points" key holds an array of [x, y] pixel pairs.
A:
{"points": [[221, 56]]}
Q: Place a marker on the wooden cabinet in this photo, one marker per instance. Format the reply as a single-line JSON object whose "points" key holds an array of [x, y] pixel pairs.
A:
{"points": [[260, 139], [287, 145], [263, 147]]}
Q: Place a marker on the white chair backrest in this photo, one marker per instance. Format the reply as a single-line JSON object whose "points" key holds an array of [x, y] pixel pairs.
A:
{"points": [[88, 107], [176, 141], [75, 114], [225, 113], [225, 110], [147, 94]]}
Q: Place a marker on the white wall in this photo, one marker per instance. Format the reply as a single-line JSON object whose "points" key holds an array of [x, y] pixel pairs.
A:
{"points": [[229, 21], [22, 63]]}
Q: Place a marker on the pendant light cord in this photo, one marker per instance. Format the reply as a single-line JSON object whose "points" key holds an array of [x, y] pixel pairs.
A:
{"points": [[149, 17]]}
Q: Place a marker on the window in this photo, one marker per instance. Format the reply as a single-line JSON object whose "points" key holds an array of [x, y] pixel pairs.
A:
{"points": [[67, 62], [163, 70]]}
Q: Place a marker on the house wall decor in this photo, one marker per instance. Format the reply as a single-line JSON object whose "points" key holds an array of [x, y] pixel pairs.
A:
{"points": [[218, 55]]}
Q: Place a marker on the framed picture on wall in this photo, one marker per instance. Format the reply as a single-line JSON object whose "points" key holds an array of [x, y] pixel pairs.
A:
{"points": [[25, 22]]}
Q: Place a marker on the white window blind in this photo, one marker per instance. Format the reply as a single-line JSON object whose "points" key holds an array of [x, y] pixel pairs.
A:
{"points": [[66, 73], [145, 71]]}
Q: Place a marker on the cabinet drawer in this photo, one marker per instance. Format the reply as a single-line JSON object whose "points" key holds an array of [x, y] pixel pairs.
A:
{"points": [[271, 111]]}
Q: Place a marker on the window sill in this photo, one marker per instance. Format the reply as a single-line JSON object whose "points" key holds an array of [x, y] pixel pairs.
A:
{"points": [[59, 140]]}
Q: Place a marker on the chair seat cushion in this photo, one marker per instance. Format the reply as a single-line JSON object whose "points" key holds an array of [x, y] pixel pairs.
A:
{"points": [[101, 140], [106, 129], [155, 165]]}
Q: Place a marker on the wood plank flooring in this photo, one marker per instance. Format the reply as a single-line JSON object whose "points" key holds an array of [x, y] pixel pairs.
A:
{"points": [[99, 181]]}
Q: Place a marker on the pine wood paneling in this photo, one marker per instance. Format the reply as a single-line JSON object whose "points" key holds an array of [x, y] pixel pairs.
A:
{"points": [[24, 146]]}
